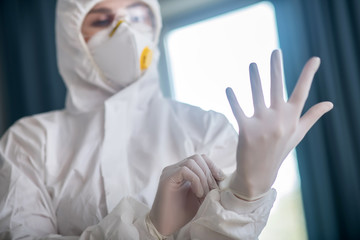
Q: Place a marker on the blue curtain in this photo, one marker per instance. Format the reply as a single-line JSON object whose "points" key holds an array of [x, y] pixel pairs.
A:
{"points": [[329, 156], [30, 79]]}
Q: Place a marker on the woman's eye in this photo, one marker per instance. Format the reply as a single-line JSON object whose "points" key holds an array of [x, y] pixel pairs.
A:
{"points": [[136, 19], [103, 22]]}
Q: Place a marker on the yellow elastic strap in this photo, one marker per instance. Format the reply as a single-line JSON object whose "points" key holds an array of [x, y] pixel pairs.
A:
{"points": [[116, 27]]}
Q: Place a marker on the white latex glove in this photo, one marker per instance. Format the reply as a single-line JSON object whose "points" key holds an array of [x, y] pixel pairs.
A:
{"points": [[182, 188], [270, 134]]}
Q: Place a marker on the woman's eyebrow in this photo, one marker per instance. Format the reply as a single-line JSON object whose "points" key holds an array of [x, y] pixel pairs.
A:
{"points": [[101, 10]]}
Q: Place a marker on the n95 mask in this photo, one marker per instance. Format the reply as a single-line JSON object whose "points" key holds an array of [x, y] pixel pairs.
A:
{"points": [[123, 53]]}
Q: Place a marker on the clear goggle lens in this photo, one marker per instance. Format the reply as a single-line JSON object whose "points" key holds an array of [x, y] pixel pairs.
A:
{"points": [[139, 16]]}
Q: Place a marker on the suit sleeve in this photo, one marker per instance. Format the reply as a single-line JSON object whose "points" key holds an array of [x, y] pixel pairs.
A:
{"points": [[223, 216]]}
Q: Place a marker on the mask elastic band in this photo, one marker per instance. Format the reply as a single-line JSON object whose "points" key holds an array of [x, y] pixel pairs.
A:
{"points": [[115, 28]]}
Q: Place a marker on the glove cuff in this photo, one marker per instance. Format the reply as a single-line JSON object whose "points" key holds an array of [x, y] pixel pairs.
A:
{"points": [[152, 229], [228, 184]]}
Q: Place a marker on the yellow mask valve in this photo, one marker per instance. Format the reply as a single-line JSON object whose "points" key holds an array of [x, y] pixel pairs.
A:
{"points": [[146, 58]]}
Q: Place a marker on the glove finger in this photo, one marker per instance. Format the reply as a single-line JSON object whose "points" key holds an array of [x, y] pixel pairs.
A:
{"points": [[195, 168], [312, 116], [215, 170], [302, 88], [235, 107], [277, 88], [206, 170], [186, 174], [256, 88]]}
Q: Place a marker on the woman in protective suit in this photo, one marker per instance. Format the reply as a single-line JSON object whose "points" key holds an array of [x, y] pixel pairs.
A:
{"points": [[91, 171]]}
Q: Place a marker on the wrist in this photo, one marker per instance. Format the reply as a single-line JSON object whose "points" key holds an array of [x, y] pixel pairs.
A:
{"points": [[243, 188]]}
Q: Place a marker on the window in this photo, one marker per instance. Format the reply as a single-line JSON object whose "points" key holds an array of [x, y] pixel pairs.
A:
{"points": [[208, 56]]}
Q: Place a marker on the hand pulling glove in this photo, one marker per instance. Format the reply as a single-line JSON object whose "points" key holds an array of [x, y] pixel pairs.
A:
{"points": [[182, 188]]}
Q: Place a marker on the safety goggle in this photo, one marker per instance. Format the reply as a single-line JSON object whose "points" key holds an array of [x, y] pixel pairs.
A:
{"points": [[139, 16]]}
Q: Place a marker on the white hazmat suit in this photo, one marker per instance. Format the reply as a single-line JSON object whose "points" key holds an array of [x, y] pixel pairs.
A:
{"points": [[91, 171]]}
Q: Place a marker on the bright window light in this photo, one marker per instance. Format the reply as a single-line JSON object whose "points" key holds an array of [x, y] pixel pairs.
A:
{"points": [[208, 56]]}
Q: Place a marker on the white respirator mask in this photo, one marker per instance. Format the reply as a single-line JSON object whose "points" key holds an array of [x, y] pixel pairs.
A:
{"points": [[123, 54]]}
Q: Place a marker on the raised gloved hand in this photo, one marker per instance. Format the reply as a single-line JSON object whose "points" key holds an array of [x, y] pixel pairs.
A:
{"points": [[270, 134], [182, 188]]}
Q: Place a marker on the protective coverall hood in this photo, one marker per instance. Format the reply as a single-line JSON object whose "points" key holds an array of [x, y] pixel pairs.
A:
{"points": [[87, 87]]}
